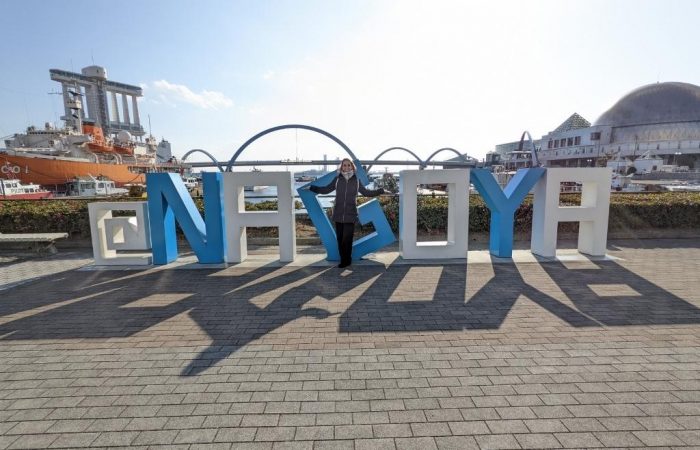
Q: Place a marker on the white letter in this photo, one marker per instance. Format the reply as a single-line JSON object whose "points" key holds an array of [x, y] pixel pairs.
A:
{"points": [[110, 234], [592, 215], [238, 219], [457, 181]]}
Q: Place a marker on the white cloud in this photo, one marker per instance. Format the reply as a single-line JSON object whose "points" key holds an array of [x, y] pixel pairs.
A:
{"points": [[171, 94], [422, 76], [426, 75]]}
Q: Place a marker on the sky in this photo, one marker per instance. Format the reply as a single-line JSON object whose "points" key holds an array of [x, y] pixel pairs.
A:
{"points": [[376, 74]]}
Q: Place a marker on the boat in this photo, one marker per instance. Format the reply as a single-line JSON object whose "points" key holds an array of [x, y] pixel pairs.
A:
{"points": [[682, 186], [190, 183], [428, 191], [304, 179], [14, 190], [101, 136], [256, 187], [93, 187]]}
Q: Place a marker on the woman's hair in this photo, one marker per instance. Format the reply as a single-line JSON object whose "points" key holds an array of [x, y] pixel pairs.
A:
{"points": [[340, 166]]}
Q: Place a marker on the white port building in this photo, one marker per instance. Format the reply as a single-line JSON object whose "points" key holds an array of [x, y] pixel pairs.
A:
{"points": [[659, 120]]}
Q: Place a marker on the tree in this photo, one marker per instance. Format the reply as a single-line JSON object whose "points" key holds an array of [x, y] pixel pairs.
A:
{"points": [[389, 184]]}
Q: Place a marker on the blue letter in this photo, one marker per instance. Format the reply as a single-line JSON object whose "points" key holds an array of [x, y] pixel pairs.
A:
{"points": [[169, 200], [503, 204], [370, 212]]}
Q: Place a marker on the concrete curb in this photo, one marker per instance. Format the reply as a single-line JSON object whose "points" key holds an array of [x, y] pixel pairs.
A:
{"points": [[481, 237]]}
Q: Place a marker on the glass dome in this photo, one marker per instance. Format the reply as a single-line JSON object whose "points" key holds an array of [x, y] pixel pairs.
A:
{"points": [[659, 103]]}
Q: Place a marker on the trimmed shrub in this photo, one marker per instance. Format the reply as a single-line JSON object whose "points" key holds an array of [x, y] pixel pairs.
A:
{"points": [[42, 216]]}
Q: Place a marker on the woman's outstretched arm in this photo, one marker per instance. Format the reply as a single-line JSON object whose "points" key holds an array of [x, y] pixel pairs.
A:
{"points": [[369, 192], [327, 189]]}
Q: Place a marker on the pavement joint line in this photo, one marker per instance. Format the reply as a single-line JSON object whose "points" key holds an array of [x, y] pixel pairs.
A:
{"points": [[572, 352], [380, 259]]}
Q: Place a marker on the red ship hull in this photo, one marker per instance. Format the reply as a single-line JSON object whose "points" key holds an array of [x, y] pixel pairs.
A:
{"points": [[30, 196], [58, 171]]}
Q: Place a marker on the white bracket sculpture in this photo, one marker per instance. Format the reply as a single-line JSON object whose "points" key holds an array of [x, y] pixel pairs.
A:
{"points": [[457, 181], [112, 234], [592, 215], [237, 218]]}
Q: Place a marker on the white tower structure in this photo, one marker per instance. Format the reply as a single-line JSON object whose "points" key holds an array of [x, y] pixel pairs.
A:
{"points": [[164, 152], [100, 105]]}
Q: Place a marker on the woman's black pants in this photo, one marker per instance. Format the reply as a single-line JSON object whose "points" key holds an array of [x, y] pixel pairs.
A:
{"points": [[344, 232]]}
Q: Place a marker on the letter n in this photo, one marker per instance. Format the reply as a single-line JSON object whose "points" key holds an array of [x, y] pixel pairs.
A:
{"points": [[169, 201]]}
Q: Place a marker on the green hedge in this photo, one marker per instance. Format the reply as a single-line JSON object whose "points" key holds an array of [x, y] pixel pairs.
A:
{"points": [[628, 211], [40, 216]]}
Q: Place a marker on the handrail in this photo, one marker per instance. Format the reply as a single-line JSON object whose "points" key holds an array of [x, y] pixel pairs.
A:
{"points": [[229, 166], [199, 150], [422, 164], [286, 127], [461, 156], [533, 150]]}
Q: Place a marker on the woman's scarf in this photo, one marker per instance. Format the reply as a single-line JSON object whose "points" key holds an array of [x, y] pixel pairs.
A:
{"points": [[348, 174]]}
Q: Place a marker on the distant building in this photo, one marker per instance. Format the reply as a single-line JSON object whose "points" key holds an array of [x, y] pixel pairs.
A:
{"points": [[661, 120], [504, 149], [464, 162]]}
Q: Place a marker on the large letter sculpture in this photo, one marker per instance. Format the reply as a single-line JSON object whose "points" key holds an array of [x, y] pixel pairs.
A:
{"points": [[239, 218], [503, 204], [457, 181], [111, 234], [592, 215], [369, 212], [168, 200]]}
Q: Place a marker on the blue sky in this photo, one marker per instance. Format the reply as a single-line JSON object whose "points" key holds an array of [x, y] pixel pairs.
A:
{"points": [[377, 74]]}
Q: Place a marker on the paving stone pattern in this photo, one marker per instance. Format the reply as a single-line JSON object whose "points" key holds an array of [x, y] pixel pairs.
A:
{"points": [[527, 355], [17, 269]]}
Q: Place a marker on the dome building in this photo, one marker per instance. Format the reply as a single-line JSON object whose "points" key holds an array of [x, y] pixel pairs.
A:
{"points": [[659, 120]]}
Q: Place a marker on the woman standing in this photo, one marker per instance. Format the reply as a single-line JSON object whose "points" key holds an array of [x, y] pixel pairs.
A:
{"points": [[346, 186]]}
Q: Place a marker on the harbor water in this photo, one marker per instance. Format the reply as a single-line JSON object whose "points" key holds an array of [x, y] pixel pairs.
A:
{"points": [[264, 193]]}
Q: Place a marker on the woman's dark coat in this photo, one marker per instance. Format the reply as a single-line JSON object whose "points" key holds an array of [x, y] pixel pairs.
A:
{"points": [[345, 210]]}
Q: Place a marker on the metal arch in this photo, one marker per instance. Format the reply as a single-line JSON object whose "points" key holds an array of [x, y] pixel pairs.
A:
{"points": [[533, 150], [449, 149], [199, 150], [285, 127], [422, 164]]}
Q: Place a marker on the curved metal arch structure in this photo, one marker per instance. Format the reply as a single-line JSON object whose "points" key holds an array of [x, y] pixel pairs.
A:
{"points": [[533, 150], [446, 149], [287, 127], [376, 158], [199, 150]]}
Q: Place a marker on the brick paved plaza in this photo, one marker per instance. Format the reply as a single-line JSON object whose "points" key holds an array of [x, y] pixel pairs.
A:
{"points": [[570, 353]]}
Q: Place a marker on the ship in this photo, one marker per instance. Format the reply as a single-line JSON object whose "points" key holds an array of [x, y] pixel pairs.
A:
{"points": [[12, 189], [102, 137]]}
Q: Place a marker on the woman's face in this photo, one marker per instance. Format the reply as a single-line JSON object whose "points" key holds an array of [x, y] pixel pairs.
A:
{"points": [[346, 166]]}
